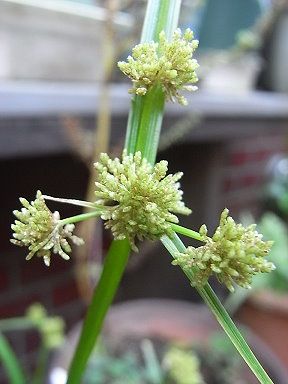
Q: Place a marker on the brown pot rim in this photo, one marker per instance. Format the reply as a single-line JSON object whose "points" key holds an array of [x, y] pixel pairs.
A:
{"points": [[198, 313], [271, 301]]}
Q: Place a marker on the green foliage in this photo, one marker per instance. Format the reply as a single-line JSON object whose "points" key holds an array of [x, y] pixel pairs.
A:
{"points": [[275, 229], [139, 200], [154, 362], [51, 330], [234, 254], [104, 369], [247, 40], [276, 192], [10, 362], [167, 63], [176, 365]]}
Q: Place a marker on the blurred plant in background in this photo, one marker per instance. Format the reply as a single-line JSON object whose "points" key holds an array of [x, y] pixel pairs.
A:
{"points": [[154, 362], [51, 332]]}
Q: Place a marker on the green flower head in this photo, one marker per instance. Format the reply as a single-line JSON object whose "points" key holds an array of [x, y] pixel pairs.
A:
{"points": [[37, 228], [52, 332], [36, 313], [138, 200], [233, 254], [51, 328], [183, 366], [168, 64]]}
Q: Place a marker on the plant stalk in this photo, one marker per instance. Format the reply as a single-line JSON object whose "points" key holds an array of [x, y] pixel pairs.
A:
{"points": [[114, 266], [10, 362], [81, 217], [40, 372], [146, 114], [92, 230], [186, 232], [160, 15], [174, 245], [15, 324], [79, 203]]}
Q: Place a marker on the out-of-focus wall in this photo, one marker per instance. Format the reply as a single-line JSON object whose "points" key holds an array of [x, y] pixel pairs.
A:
{"points": [[51, 44]]}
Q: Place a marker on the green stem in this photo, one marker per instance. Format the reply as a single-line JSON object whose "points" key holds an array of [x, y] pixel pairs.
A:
{"points": [[152, 364], [79, 203], [146, 113], [15, 324], [174, 245], [114, 266], [40, 372], [10, 362], [78, 218], [186, 232], [223, 318], [150, 123], [160, 15]]}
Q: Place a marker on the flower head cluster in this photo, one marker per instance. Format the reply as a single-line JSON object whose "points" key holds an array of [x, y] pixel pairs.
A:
{"points": [[51, 328], [183, 366], [168, 64], [137, 199], [247, 40], [234, 254], [41, 230]]}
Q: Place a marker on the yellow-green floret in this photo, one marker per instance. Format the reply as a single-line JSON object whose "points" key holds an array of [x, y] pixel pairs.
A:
{"points": [[234, 254], [37, 228], [138, 200], [183, 366], [168, 64]]}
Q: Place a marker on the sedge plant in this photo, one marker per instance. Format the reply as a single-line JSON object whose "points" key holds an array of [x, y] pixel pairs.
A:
{"points": [[51, 332], [138, 200]]}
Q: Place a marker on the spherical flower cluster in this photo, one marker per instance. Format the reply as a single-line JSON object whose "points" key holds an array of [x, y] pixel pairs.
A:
{"points": [[51, 328], [168, 64], [137, 199], [41, 231], [234, 254], [183, 366]]}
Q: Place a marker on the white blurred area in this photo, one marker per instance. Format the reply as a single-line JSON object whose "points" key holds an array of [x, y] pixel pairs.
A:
{"points": [[54, 39], [64, 40], [58, 376]]}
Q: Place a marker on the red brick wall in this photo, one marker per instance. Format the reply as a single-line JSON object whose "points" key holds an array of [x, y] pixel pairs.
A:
{"points": [[24, 283], [245, 172]]}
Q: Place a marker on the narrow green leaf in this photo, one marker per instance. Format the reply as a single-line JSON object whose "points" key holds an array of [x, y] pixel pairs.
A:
{"points": [[15, 324], [153, 366], [114, 266], [150, 123], [146, 113], [144, 123], [160, 16], [133, 124], [40, 372], [10, 362]]}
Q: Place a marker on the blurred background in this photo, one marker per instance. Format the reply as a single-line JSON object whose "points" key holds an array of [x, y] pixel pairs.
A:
{"points": [[63, 101]]}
